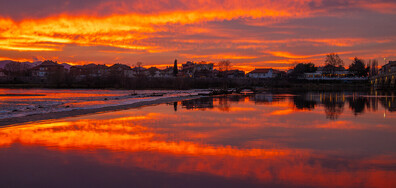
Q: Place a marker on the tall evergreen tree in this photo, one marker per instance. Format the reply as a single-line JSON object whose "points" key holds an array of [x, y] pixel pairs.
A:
{"points": [[175, 70], [358, 67]]}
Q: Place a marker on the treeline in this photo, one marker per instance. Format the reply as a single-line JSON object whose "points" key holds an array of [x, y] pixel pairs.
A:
{"points": [[333, 63]]}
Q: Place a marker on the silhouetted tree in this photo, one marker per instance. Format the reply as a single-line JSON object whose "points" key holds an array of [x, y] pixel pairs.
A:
{"points": [[12, 67], [358, 67], [139, 68], [334, 59], [332, 62], [224, 65], [373, 67], [175, 70], [302, 68], [16, 68]]}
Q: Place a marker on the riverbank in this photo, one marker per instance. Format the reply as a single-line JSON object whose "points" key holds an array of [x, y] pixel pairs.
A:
{"points": [[79, 112], [213, 83]]}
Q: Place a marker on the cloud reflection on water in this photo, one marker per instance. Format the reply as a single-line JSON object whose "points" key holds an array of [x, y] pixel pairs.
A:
{"points": [[233, 138]]}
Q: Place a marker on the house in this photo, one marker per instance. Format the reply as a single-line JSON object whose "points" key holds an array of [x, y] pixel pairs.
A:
{"points": [[153, 72], [279, 73], [235, 74], [201, 103], [119, 67], [197, 70], [90, 70], [167, 72], [388, 68], [319, 73], [47, 68], [135, 72], [265, 73], [203, 66], [119, 70], [338, 73]]}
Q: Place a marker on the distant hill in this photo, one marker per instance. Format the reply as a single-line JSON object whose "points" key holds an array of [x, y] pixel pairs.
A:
{"points": [[30, 64]]}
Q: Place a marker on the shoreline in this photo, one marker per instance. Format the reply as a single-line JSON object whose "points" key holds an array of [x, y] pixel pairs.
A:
{"points": [[80, 112]]}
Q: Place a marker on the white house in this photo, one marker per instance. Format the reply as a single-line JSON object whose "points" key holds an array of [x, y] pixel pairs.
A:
{"points": [[135, 72], [262, 73], [167, 73], [153, 72]]}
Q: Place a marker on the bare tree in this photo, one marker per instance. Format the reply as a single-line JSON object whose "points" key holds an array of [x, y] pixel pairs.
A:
{"points": [[332, 62], [12, 67], [139, 68], [224, 65], [16, 68], [139, 64]]}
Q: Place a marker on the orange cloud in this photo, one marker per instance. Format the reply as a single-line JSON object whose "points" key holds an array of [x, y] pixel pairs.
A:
{"points": [[202, 30], [219, 56], [112, 30], [288, 55]]}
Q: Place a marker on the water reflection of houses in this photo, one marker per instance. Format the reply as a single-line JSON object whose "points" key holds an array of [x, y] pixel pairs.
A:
{"points": [[388, 102], [262, 98], [307, 101], [358, 104], [201, 103], [334, 102], [237, 98]]}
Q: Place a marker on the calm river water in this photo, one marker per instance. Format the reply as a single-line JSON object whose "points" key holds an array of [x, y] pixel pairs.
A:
{"points": [[309, 139]]}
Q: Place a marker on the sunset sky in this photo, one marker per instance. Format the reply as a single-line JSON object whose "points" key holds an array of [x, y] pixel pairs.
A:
{"points": [[266, 33]]}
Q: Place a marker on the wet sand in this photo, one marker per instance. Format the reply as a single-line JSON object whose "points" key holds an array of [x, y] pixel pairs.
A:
{"points": [[79, 112]]}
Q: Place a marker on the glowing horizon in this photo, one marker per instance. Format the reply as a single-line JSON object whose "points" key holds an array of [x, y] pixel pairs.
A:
{"points": [[252, 34]]}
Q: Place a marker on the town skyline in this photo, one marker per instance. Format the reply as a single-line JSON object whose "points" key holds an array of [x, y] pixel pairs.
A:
{"points": [[251, 34], [165, 66]]}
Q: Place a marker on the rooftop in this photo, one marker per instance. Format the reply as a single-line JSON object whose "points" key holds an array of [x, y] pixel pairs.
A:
{"points": [[261, 70]]}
